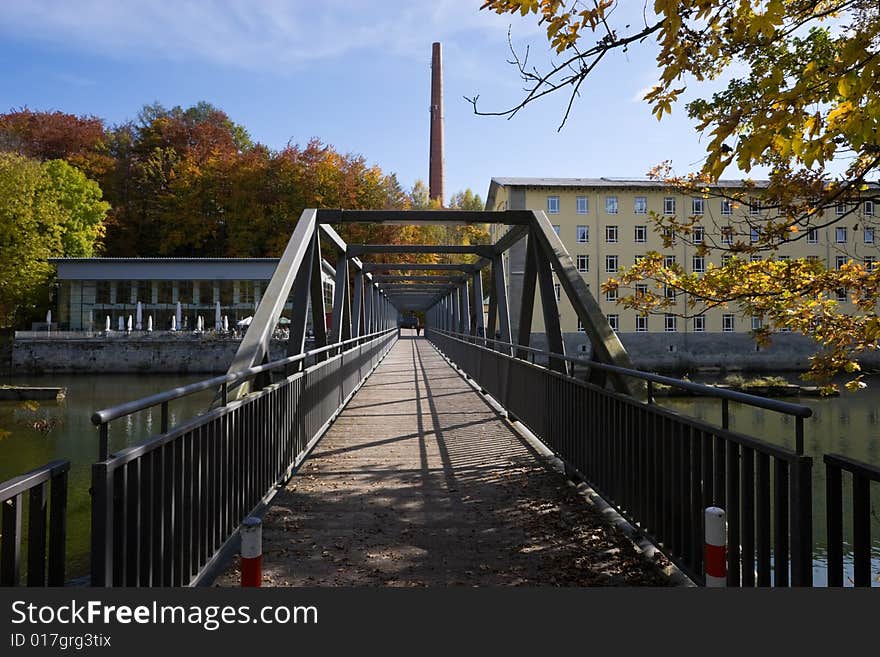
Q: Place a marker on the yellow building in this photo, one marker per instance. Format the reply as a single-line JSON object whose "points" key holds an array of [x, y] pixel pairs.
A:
{"points": [[606, 224]]}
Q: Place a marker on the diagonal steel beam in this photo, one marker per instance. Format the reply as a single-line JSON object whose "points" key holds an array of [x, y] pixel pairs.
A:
{"points": [[254, 347]]}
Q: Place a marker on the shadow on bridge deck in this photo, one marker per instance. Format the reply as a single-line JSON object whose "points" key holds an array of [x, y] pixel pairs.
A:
{"points": [[419, 482]]}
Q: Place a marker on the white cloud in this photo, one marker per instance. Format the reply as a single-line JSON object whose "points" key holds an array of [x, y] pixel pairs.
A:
{"points": [[271, 35]]}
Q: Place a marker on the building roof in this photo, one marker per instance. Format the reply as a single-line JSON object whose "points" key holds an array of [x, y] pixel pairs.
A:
{"points": [[150, 260], [170, 268], [607, 181]]}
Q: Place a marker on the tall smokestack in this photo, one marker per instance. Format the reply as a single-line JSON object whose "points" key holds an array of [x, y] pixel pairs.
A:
{"points": [[436, 174]]}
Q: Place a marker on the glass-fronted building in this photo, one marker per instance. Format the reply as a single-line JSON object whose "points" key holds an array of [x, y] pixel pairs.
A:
{"points": [[91, 289]]}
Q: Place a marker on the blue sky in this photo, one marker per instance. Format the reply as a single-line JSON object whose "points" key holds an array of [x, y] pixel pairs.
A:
{"points": [[355, 74]]}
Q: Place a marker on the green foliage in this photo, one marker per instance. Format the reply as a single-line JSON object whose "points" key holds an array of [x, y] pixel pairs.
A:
{"points": [[80, 199], [31, 229]]}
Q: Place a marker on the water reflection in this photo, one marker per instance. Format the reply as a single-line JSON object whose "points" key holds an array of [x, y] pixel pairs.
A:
{"points": [[843, 425], [75, 438]]}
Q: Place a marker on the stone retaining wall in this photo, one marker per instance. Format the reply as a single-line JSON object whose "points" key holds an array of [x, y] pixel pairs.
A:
{"points": [[159, 355]]}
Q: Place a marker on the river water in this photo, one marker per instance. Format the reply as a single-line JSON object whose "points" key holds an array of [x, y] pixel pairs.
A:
{"points": [[849, 424]]}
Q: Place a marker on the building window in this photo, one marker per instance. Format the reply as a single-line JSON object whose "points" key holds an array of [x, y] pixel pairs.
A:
{"points": [[726, 260], [611, 263], [839, 261], [166, 292], [669, 261], [206, 292], [869, 208], [641, 323], [640, 205], [812, 258], [582, 204], [699, 263], [123, 292], [698, 234], [611, 295], [698, 206], [841, 208], [641, 234], [185, 291], [840, 234], [583, 263], [813, 236], [638, 258], [614, 322], [553, 204], [754, 206], [700, 324], [670, 323], [869, 235], [841, 295], [669, 235], [754, 258], [583, 234], [580, 325], [669, 292], [727, 323], [754, 235], [102, 292], [727, 235], [641, 289], [785, 257], [610, 205], [556, 230], [870, 263], [669, 205], [726, 206], [757, 323], [611, 234], [226, 289]]}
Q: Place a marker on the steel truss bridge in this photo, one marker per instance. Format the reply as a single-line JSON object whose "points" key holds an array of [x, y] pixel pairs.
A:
{"points": [[166, 512]]}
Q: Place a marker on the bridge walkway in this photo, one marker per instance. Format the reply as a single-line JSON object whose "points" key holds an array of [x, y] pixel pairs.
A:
{"points": [[420, 482]]}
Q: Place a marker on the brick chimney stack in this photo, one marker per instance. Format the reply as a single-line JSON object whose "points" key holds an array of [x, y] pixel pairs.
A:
{"points": [[436, 174]]}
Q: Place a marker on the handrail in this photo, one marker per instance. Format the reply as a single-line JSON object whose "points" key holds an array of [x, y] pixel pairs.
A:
{"points": [[852, 466], [797, 410], [121, 410], [12, 487]]}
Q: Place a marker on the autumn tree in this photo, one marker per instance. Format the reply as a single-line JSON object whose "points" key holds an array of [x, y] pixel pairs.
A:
{"points": [[806, 107], [45, 209]]}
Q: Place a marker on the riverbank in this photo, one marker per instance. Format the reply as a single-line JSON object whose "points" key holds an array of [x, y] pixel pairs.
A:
{"points": [[162, 353]]}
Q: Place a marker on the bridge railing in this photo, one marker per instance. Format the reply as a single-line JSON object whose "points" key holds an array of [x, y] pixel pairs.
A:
{"points": [[861, 476], [161, 510], [46, 491], [658, 468]]}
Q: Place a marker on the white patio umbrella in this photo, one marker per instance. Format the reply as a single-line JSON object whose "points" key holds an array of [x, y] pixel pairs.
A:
{"points": [[150, 323], [139, 316], [49, 317], [244, 322], [107, 324], [200, 324], [179, 314], [121, 323], [128, 325], [225, 323], [218, 320], [173, 323]]}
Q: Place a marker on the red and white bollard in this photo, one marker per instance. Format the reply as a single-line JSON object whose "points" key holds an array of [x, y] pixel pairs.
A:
{"points": [[251, 552], [715, 558]]}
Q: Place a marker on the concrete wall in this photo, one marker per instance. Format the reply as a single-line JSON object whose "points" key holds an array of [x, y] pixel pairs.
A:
{"points": [[177, 355], [690, 352]]}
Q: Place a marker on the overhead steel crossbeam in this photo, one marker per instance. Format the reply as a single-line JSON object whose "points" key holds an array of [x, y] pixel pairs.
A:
{"points": [[364, 302], [381, 278], [421, 266]]}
